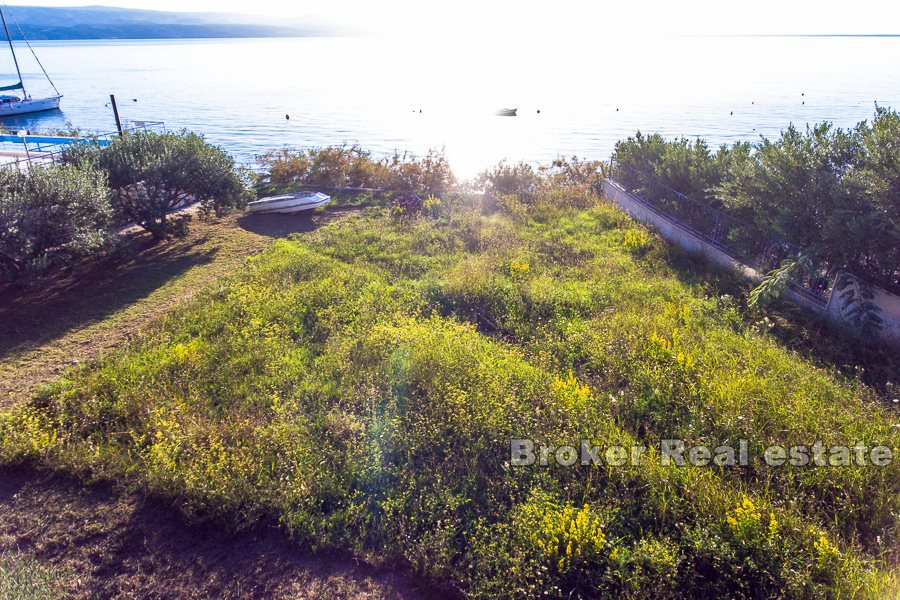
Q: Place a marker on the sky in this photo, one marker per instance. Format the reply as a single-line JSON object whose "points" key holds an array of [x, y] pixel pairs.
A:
{"points": [[504, 18]]}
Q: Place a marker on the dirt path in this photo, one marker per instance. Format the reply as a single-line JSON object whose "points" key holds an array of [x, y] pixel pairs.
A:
{"points": [[76, 317]]}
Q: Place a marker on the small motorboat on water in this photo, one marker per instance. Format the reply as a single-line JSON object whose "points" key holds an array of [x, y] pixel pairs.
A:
{"points": [[14, 105], [507, 112], [289, 203]]}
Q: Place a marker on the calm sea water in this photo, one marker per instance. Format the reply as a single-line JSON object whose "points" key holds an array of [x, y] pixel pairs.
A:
{"points": [[395, 95]]}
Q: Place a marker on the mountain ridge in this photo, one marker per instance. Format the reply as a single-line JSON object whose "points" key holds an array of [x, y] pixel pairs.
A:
{"points": [[105, 22]]}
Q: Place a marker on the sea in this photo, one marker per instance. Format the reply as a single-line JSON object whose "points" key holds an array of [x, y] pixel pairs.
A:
{"points": [[572, 97]]}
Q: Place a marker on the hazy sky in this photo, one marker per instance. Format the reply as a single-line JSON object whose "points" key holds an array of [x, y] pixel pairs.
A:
{"points": [[503, 17]]}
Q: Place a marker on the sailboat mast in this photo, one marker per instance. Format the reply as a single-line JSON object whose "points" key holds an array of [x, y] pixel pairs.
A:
{"points": [[13, 50]]}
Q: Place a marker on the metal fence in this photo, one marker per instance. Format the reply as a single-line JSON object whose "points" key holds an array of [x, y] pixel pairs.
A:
{"points": [[24, 148], [739, 239]]}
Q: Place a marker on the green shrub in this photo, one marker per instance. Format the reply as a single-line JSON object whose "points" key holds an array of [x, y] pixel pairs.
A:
{"points": [[830, 192], [569, 173], [351, 166], [686, 166], [50, 216], [154, 174], [520, 180]]}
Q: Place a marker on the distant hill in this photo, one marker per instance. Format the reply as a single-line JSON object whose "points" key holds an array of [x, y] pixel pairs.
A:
{"points": [[102, 22]]}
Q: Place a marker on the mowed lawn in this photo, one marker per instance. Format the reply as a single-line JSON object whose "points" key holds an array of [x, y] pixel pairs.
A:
{"points": [[361, 386]]}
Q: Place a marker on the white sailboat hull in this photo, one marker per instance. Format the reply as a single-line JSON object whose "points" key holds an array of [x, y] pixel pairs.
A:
{"points": [[29, 105], [289, 203]]}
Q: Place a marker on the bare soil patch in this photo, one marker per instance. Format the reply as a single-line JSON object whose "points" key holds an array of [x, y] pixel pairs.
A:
{"points": [[127, 546]]}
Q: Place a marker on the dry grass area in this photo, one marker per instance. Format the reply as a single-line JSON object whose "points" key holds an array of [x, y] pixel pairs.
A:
{"points": [[78, 315]]}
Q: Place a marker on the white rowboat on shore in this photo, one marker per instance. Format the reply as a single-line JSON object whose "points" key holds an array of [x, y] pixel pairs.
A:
{"points": [[289, 203]]}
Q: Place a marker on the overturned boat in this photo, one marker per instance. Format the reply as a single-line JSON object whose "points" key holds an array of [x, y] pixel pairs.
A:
{"points": [[289, 203]]}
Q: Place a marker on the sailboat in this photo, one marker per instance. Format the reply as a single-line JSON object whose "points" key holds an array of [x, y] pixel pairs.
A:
{"points": [[15, 105]]}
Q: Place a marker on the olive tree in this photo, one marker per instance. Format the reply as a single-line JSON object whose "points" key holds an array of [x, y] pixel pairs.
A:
{"points": [[687, 166], [834, 193], [50, 216], [155, 174], [877, 175]]}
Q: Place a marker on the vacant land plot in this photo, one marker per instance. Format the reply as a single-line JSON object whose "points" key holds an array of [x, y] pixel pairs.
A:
{"points": [[360, 385]]}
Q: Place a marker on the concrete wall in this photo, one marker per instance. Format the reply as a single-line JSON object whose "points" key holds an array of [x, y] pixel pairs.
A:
{"points": [[890, 312], [671, 229], [683, 236]]}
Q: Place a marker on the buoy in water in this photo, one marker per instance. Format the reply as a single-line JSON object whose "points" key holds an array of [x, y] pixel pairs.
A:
{"points": [[287, 117]]}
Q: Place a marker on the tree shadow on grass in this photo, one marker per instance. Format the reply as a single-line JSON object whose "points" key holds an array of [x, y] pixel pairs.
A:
{"points": [[275, 225], [89, 293], [823, 343], [122, 544], [280, 225]]}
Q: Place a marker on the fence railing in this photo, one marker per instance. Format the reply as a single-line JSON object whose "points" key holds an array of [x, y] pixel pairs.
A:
{"points": [[24, 148], [739, 239]]}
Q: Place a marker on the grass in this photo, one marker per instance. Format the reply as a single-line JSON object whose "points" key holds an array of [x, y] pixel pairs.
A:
{"points": [[361, 386], [24, 578], [84, 312]]}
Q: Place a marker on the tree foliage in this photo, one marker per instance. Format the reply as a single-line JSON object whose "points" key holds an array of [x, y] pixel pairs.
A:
{"points": [[352, 166], [519, 179], [154, 174], [832, 192], [50, 216], [684, 165], [525, 181]]}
